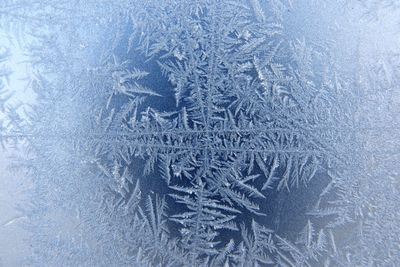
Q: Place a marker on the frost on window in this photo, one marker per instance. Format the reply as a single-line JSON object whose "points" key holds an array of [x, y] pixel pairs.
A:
{"points": [[199, 133]]}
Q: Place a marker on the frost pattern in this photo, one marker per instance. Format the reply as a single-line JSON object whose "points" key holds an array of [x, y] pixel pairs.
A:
{"points": [[216, 104]]}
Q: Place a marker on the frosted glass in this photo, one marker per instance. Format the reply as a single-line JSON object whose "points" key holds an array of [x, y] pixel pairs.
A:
{"points": [[199, 133]]}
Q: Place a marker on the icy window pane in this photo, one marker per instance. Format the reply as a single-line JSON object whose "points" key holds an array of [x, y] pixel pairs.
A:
{"points": [[199, 133]]}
